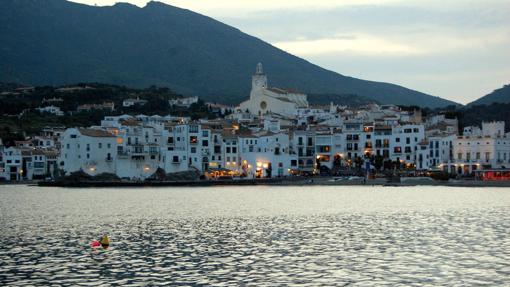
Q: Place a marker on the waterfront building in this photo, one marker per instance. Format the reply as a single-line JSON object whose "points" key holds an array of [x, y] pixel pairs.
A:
{"points": [[92, 151], [11, 164], [485, 148], [22, 163], [266, 154], [303, 145], [354, 133], [404, 142], [329, 150], [138, 150]]}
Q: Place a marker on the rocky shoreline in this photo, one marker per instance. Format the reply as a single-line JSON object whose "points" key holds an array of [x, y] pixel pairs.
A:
{"points": [[277, 182]]}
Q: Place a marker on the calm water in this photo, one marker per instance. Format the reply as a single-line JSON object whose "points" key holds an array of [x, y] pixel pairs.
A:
{"points": [[341, 236]]}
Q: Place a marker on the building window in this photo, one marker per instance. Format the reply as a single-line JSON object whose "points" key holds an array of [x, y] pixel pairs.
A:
{"points": [[193, 149], [193, 129], [193, 139], [100, 145], [205, 143]]}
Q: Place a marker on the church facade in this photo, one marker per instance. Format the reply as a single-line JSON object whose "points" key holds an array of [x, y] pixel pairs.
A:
{"points": [[264, 100]]}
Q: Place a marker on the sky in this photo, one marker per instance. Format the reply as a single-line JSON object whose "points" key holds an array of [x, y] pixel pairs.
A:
{"points": [[456, 49]]}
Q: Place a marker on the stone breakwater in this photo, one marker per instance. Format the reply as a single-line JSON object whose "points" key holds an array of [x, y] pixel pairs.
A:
{"points": [[277, 182]]}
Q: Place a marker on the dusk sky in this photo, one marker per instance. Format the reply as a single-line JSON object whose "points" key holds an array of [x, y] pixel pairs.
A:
{"points": [[458, 50]]}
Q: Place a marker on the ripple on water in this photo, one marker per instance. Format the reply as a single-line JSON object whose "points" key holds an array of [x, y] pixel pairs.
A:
{"points": [[179, 239]]}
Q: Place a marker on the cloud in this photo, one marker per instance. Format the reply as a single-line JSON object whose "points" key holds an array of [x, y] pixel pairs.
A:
{"points": [[360, 44], [456, 49]]}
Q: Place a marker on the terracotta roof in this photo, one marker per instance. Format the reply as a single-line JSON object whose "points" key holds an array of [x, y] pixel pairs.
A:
{"points": [[95, 133], [284, 99], [278, 91], [130, 122], [284, 91]]}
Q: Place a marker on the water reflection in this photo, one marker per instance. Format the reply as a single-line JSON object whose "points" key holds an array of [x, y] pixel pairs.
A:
{"points": [[244, 236]]}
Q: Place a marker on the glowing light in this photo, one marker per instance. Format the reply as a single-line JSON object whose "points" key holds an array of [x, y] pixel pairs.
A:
{"points": [[259, 164], [265, 165]]}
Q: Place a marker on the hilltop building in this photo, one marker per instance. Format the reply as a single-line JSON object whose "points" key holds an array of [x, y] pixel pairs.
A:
{"points": [[264, 100]]}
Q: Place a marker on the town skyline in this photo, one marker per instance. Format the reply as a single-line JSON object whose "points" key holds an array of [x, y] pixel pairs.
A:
{"points": [[455, 51]]}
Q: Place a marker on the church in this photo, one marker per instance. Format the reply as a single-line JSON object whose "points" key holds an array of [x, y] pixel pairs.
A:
{"points": [[264, 100]]}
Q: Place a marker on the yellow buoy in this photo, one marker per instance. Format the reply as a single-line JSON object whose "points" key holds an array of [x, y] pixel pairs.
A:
{"points": [[105, 241]]}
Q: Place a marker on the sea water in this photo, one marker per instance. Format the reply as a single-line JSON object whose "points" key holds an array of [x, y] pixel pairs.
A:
{"points": [[260, 235]]}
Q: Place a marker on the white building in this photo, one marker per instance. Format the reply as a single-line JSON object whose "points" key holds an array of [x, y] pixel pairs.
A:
{"points": [[11, 164], [486, 148], [92, 151], [51, 110], [264, 100], [183, 102], [266, 155], [133, 102]]}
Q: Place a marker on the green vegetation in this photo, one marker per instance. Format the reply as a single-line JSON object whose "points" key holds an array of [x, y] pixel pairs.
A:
{"points": [[474, 115], [501, 95], [20, 117]]}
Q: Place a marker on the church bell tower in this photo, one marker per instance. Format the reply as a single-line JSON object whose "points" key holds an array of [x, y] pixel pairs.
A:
{"points": [[259, 80]]}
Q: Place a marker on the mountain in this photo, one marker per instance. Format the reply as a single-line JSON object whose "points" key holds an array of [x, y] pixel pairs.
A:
{"points": [[55, 42], [501, 95]]}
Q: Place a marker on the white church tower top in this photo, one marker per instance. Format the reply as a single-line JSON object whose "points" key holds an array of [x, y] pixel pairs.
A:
{"points": [[259, 70], [258, 81]]}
